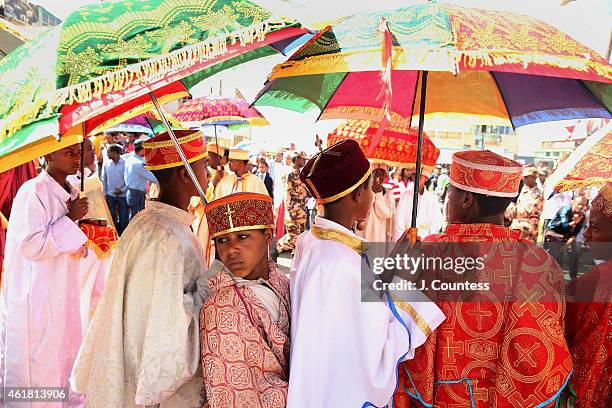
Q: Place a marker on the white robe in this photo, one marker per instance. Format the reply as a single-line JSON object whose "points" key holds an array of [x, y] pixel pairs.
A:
{"points": [[345, 352], [378, 226], [39, 305], [429, 215], [142, 346]]}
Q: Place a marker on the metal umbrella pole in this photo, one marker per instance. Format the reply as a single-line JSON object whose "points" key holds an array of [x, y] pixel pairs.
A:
{"points": [[83, 165], [415, 198], [178, 148]]}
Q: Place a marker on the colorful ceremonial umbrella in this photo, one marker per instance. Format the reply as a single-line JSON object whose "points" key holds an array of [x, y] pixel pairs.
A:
{"points": [[397, 146], [446, 60], [589, 165], [106, 62], [213, 110]]}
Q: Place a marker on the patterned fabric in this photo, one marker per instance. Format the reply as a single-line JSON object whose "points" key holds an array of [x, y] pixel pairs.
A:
{"points": [[239, 212], [590, 164], [485, 172], [603, 201], [589, 335], [327, 175], [525, 214], [100, 239], [219, 111], [296, 195], [102, 54], [245, 354], [160, 151], [489, 352], [397, 146]]}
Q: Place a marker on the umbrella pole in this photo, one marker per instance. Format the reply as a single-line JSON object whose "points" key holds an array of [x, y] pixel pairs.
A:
{"points": [[417, 181], [83, 164], [178, 147]]}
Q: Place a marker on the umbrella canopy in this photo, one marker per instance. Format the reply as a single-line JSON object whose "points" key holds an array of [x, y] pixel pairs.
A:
{"points": [[219, 111], [10, 37], [489, 64], [397, 147], [589, 165], [138, 124], [96, 69]]}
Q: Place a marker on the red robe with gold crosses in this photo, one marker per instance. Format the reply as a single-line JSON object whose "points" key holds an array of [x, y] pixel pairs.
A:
{"points": [[589, 334], [490, 352]]}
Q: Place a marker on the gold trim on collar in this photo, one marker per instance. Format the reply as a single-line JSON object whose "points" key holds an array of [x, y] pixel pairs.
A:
{"points": [[352, 242], [347, 191]]}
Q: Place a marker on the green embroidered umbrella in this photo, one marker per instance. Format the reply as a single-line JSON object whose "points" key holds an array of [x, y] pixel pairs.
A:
{"points": [[106, 61]]}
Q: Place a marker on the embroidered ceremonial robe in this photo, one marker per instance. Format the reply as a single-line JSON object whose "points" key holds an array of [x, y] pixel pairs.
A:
{"points": [[589, 334], [40, 321], [345, 351], [142, 347], [489, 352], [245, 354]]}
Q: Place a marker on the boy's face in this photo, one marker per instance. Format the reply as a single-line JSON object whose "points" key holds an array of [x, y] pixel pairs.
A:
{"points": [[66, 160], [364, 202], [113, 155], [242, 251]]}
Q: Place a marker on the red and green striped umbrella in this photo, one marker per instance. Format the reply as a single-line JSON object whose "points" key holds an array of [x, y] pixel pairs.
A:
{"points": [[98, 67]]}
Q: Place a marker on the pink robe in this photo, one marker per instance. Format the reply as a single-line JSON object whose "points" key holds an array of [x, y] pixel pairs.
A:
{"points": [[245, 354]]}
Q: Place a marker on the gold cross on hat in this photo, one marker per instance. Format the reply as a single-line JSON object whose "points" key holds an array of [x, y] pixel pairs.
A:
{"points": [[229, 213]]}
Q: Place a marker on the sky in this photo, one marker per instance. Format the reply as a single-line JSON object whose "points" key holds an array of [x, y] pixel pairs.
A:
{"points": [[588, 21]]}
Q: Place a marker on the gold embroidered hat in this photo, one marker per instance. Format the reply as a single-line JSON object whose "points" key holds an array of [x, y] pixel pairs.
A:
{"points": [[239, 212], [215, 148], [486, 172], [336, 171], [238, 154], [160, 152], [603, 201]]}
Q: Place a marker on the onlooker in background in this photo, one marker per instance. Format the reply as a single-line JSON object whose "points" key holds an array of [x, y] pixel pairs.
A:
{"points": [[378, 227], [280, 170], [560, 236], [264, 174], [542, 176], [405, 180], [114, 187], [136, 179], [295, 198], [392, 185], [432, 182], [525, 214], [429, 215], [278, 161]]}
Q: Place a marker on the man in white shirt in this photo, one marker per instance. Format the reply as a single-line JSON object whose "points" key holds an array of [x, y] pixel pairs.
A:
{"points": [[429, 215]]}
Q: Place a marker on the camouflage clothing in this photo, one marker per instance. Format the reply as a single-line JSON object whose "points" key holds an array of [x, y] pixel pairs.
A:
{"points": [[525, 214], [296, 195]]}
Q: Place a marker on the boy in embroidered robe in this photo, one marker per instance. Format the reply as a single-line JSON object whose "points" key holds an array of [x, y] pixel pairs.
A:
{"points": [[502, 346], [589, 312], [142, 347], [244, 324], [345, 351]]}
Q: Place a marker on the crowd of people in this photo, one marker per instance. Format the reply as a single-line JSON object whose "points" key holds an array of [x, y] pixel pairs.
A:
{"points": [[195, 312]]}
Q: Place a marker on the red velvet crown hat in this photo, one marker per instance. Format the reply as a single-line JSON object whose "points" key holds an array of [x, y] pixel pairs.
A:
{"points": [[160, 152], [239, 212], [336, 171], [485, 172]]}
